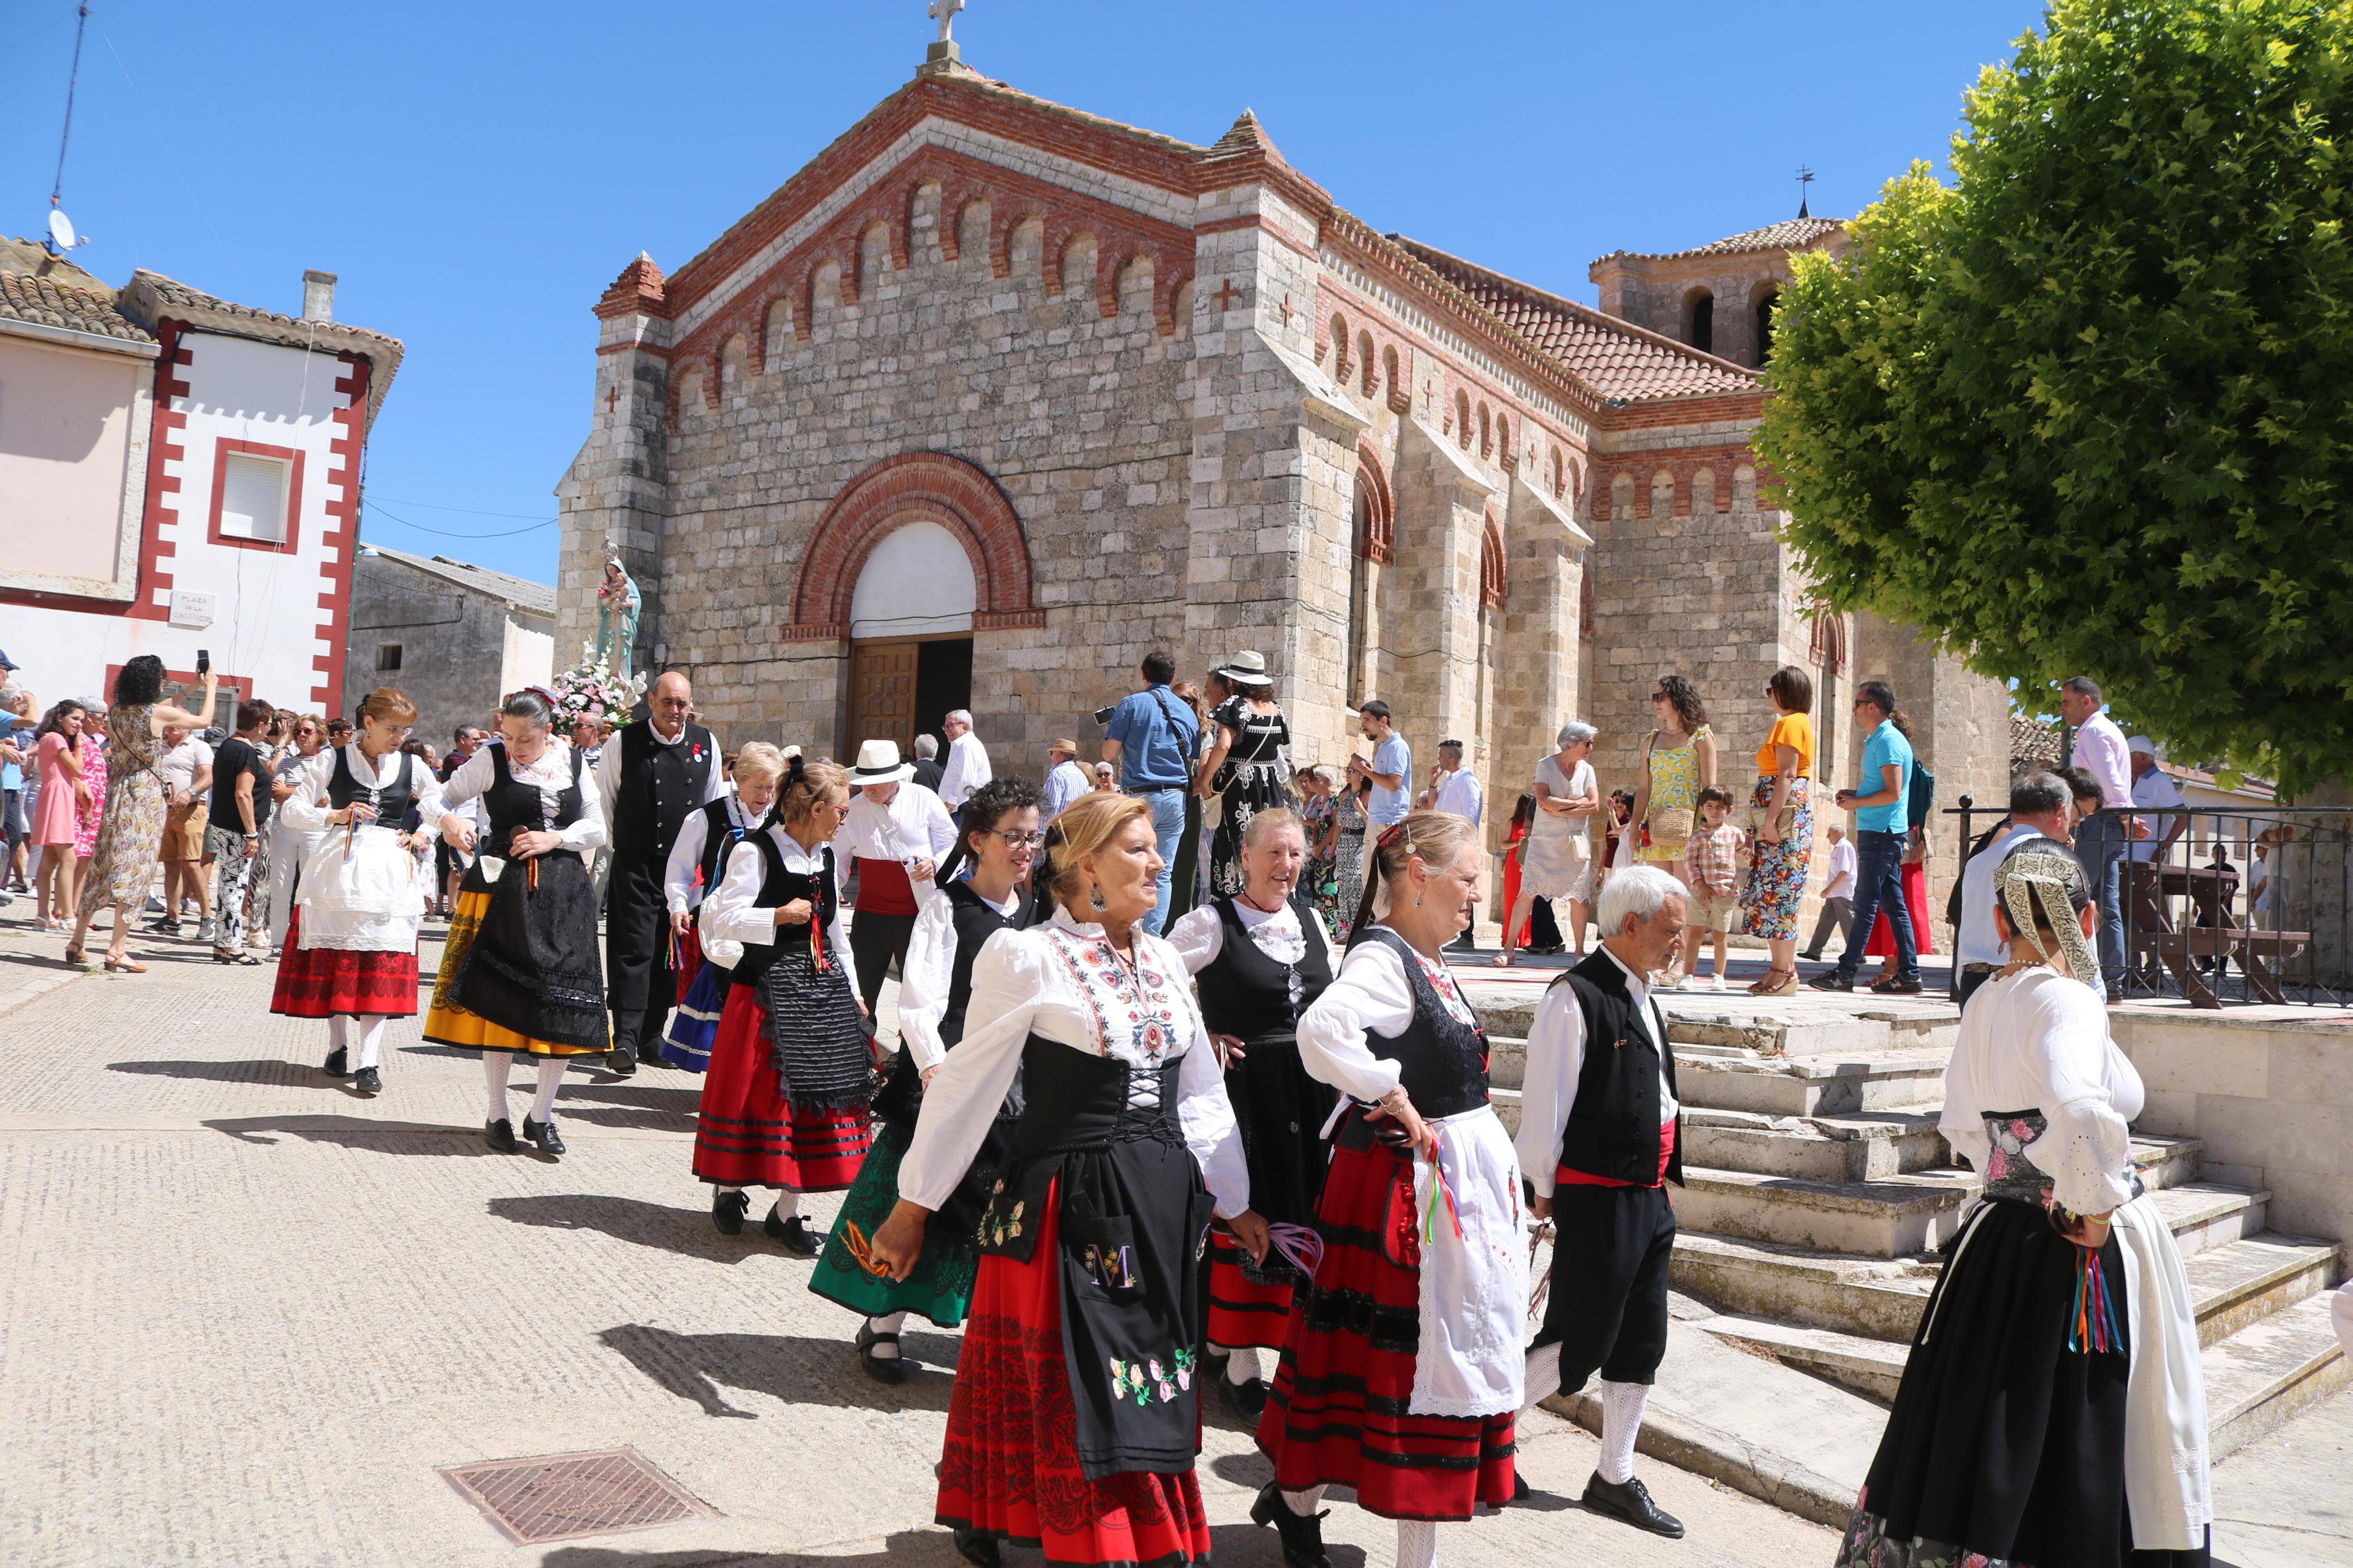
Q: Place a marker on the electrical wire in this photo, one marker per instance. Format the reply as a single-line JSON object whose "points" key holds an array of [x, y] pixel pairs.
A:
{"points": [[446, 533], [469, 511]]}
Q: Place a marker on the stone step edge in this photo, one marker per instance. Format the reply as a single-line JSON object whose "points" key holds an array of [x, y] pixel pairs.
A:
{"points": [[1694, 1446]]}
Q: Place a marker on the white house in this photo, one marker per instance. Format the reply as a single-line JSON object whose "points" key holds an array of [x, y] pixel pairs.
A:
{"points": [[179, 473]]}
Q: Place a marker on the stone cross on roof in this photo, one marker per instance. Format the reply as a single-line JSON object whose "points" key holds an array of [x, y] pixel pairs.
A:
{"points": [[944, 13]]}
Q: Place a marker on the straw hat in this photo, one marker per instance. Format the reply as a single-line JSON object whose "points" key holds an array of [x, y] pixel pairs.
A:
{"points": [[1246, 667], [878, 764]]}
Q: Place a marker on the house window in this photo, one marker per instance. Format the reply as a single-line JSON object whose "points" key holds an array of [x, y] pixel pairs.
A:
{"points": [[387, 658], [253, 498], [1701, 335]]}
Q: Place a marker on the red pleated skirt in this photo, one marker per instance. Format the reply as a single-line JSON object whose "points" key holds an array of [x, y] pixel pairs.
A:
{"points": [[747, 1135], [1242, 1312], [1009, 1469], [1336, 1412], [325, 982], [689, 951]]}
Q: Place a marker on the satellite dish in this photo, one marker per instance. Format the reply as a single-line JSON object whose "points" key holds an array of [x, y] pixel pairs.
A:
{"points": [[61, 231]]}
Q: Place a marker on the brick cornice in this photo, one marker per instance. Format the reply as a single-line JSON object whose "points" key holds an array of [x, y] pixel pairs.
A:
{"points": [[932, 487]]}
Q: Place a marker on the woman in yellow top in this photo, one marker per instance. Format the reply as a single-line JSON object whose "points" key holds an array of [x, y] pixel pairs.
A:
{"points": [[1679, 760], [1781, 820]]}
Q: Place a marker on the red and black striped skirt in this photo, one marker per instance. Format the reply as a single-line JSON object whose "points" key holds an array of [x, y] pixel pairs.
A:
{"points": [[328, 981], [1337, 1412], [747, 1135], [1241, 1310], [1009, 1469]]}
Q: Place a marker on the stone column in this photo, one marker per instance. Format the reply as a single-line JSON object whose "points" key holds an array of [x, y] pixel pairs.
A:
{"points": [[616, 492], [1536, 663], [1442, 502]]}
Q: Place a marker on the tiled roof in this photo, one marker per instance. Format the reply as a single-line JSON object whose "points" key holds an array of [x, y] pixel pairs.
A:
{"points": [[2031, 740], [521, 592], [1614, 358], [1794, 234], [177, 297], [49, 291]]}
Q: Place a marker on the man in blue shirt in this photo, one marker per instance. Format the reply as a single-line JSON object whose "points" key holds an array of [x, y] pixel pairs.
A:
{"points": [[1153, 737], [1879, 827], [1390, 769]]}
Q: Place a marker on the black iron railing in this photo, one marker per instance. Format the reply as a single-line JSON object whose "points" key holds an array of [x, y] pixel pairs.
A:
{"points": [[2266, 923]]}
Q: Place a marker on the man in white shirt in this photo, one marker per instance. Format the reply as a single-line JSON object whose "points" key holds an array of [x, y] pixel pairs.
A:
{"points": [[1456, 789], [2100, 751], [2151, 787], [1838, 896], [896, 835], [2038, 809], [1599, 1130], [1065, 780], [966, 768]]}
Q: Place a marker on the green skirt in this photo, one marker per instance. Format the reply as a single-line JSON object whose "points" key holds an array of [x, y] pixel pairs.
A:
{"points": [[939, 1288]]}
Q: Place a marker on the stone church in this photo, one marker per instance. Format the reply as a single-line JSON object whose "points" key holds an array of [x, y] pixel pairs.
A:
{"points": [[994, 395]]}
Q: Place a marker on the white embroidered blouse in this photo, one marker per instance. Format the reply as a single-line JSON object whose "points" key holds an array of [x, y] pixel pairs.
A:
{"points": [[1370, 995], [928, 974], [679, 890], [734, 913], [551, 771], [1060, 981], [2039, 1041], [1199, 935]]}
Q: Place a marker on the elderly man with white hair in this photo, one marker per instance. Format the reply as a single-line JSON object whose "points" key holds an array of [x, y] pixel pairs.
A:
{"points": [[1599, 1123], [966, 768]]}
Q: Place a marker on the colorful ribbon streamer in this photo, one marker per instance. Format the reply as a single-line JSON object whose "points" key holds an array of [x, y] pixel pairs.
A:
{"points": [[2092, 1320], [1439, 1189], [1300, 1245]]}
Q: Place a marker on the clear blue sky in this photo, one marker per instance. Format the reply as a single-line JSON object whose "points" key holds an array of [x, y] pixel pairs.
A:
{"points": [[476, 174]]}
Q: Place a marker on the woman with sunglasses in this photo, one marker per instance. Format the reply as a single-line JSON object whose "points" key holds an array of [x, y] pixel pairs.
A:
{"points": [[1001, 843], [784, 1103], [1678, 762], [351, 944], [1260, 958]]}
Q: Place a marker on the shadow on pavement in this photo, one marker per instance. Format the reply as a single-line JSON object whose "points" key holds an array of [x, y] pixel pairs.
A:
{"points": [[272, 1072], [357, 1132], [794, 1368], [687, 1231], [1231, 1546]]}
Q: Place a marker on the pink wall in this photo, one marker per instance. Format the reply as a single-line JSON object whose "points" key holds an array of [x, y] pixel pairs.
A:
{"points": [[65, 435]]}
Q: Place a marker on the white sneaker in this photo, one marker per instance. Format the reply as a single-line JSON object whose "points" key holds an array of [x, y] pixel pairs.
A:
{"points": [[208, 931], [1715, 982]]}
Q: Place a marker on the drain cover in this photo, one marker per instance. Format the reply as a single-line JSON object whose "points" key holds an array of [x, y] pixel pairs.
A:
{"points": [[561, 1497]]}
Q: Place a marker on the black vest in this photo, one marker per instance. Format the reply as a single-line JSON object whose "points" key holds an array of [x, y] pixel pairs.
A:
{"points": [[1444, 1060], [1614, 1128], [513, 804], [778, 887], [1252, 997], [719, 835], [392, 802], [660, 785], [975, 922]]}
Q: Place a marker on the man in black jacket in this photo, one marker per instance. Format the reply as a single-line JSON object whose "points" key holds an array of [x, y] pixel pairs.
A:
{"points": [[654, 774], [1599, 1129]]}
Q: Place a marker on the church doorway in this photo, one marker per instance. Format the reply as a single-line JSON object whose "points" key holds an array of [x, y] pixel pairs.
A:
{"points": [[909, 636]]}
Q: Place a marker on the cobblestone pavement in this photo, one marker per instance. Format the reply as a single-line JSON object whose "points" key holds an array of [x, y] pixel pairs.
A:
{"points": [[248, 1313]]}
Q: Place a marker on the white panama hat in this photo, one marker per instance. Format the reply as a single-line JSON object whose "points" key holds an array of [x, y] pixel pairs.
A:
{"points": [[878, 764]]}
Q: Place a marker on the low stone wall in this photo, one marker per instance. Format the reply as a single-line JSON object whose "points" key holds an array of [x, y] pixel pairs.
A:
{"points": [[2268, 1091]]}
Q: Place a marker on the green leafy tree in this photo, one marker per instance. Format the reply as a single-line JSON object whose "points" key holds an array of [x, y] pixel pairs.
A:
{"points": [[2089, 409]]}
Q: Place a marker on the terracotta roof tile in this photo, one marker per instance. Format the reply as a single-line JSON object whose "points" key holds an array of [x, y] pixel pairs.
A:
{"points": [[49, 292], [1617, 359], [267, 325], [1794, 234]]}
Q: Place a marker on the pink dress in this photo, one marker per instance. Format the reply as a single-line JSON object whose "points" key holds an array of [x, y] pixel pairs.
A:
{"points": [[53, 820], [93, 774]]}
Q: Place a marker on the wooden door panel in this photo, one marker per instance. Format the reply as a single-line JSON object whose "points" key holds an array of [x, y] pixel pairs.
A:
{"points": [[881, 695]]}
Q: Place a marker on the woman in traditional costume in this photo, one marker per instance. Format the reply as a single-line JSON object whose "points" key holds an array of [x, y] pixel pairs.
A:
{"points": [[697, 861], [1260, 958], [1075, 1420], [1403, 1372], [351, 946], [2052, 1409], [1000, 845], [784, 1103], [521, 973]]}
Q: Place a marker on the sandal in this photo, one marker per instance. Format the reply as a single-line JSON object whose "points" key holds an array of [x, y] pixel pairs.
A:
{"points": [[1777, 983], [124, 965], [1502, 960], [76, 958], [242, 960]]}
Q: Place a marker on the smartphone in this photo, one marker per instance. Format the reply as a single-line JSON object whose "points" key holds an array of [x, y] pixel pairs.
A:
{"points": [[1104, 715], [204, 662]]}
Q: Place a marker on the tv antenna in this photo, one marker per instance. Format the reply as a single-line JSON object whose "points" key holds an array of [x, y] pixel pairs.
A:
{"points": [[62, 237], [1805, 178]]}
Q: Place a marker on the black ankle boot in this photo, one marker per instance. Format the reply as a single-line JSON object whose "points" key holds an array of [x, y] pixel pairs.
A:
{"points": [[1302, 1533], [976, 1549]]}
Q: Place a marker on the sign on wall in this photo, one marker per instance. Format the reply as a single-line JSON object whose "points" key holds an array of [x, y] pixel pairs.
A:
{"points": [[193, 611]]}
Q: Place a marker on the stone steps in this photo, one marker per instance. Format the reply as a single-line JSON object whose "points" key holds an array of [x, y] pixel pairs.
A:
{"points": [[1780, 1026]]}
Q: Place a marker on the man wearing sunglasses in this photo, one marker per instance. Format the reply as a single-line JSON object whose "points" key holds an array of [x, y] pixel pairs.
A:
{"points": [[1879, 832]]}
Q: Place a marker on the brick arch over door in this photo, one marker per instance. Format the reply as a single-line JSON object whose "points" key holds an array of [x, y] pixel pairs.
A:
{"points": [[938, 488]]}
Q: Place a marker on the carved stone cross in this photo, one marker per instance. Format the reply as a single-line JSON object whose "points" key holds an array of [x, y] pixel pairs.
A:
{"points": [[944, 12], [1226, 295], [612, 396]]}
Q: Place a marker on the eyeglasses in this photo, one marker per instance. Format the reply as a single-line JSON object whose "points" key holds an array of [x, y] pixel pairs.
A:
{"points": [[1020, 840]]}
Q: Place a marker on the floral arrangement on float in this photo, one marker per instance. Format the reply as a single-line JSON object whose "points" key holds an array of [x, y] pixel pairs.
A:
{"points": [[592, 690]]}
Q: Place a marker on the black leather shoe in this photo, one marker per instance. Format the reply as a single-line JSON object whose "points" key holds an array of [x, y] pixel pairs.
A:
{"points": [[651, 1055], [794, 1234], [881, 1368], [500, 1135], [543, 1133], [1302, 1535], [1631, 1502], [1833, 981], [338, 1063], [728, 1209], [621, 1061], [368, 1081], [1521, 1490], [1245, 1401], [977, 1549]]}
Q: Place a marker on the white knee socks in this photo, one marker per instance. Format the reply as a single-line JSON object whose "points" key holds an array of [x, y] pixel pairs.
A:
{"points": [[1304, 1503], [1622, 1405], [1542, 1380], [1417, 1543], [338, 1032], [551, 1079], [371, 1038], [788, 1203], [494, 1072], [888, 1324], [1241, 1363]]}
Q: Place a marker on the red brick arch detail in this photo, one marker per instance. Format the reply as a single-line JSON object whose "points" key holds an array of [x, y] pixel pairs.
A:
{"points": [[937, 487], [1491, 564], [1378, 542]]}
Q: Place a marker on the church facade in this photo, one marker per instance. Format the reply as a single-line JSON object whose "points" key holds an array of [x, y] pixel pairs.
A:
{"points": [[994, 397]]}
